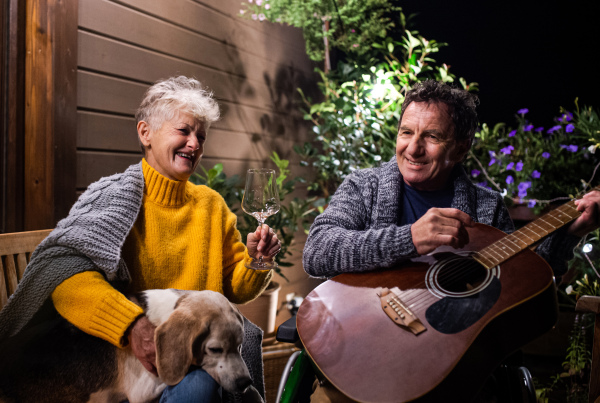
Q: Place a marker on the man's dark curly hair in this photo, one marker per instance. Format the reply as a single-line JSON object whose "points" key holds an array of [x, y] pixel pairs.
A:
{"points": [[461, 106]]}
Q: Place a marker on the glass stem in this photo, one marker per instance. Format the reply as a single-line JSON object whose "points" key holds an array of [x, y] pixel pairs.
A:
{"points": [[260, 259]]}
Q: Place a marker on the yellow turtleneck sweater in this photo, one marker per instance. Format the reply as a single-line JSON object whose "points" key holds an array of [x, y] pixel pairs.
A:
{"points": [[185, 237]]}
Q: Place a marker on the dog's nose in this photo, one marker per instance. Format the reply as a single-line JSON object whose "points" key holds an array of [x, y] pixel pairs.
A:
{"points": [[243, 383]]}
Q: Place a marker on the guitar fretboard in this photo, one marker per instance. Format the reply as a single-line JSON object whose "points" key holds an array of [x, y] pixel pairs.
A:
{"points": [[526, 236]]}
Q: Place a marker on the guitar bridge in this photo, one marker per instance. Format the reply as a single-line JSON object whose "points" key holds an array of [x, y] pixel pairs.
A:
{"points": [[398, 312]]}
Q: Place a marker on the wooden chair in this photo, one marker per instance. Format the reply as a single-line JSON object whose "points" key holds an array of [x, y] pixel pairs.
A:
{"points": [[15, 252], [588, 303]]}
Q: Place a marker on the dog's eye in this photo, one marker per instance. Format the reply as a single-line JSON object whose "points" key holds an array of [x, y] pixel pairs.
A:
{"points": [[215, 350]]}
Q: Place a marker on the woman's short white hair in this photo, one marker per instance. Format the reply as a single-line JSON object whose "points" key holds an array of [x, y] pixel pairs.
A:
{"points": [[163, 100]]}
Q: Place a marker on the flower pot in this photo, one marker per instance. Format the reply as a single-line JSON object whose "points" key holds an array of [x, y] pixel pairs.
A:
{"points": [[263, 310]]}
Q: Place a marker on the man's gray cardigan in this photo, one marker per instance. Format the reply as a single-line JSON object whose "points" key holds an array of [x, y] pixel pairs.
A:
{"points": [[359, 231], [91, 238]]}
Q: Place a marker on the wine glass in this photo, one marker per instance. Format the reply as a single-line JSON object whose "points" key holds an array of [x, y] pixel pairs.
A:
{"points": [[261, 200]]}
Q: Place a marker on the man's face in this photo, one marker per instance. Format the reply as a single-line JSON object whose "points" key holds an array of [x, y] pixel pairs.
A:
{"points": [[426, 149]]}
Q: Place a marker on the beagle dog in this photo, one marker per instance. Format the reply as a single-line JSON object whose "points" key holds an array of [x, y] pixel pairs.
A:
{"points": [[200, 328]]}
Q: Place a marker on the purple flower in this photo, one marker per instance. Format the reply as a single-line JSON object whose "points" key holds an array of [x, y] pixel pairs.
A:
{"points": [[569, 128], [519, 166], [527, 128], [567, 116], [546, 155], [510, 165], [531, 203], [573, 148], [512, 134], [507, 149], [539, 129], [536, 174], [492, 162], [475, 173], [509, 179], [523, 111], [523, 186], [553, 129], [484, 184]]}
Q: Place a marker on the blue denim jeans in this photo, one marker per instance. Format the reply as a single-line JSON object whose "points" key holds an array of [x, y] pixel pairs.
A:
{"points": [[196, 387]]}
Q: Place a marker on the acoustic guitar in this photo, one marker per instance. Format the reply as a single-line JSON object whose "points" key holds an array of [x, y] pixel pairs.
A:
{"points": [[435, 328]]}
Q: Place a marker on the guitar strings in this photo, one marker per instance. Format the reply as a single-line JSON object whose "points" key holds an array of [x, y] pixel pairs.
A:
{"points": [[456, 272]]}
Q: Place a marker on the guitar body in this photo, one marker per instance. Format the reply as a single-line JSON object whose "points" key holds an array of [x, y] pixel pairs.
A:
{"points": [[471, 326]]}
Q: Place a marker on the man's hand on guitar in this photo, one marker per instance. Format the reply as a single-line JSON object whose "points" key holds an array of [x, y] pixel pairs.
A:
{"points": [[440, 226], [589, 220]]}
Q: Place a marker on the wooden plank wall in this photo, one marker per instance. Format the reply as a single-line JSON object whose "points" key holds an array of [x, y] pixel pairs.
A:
{"points": [[253, 68]]}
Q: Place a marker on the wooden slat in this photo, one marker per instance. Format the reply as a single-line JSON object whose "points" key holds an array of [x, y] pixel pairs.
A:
{"points": [[19, 246], [3, 288], [10, 271], [106, 132], [21, 260], [92, 166], [21, 242], [142, 30], [108, 94]]}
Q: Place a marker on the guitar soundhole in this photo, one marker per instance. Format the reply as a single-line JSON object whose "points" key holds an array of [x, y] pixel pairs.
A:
{"points": [[458, 275], [461, 275]]}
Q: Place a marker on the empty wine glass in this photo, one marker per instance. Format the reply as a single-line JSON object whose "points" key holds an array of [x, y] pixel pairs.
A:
{"points": [[261, 200]]}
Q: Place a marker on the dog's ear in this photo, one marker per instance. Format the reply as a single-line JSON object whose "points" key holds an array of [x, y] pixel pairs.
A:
{"points": [[175, 340]]}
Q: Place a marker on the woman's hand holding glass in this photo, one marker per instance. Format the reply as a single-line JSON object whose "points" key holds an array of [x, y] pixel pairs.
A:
{"points": [[261, 200], [263, 243]]}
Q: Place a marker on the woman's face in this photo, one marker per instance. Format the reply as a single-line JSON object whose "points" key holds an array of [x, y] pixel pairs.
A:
{"points": [[175, 149]]}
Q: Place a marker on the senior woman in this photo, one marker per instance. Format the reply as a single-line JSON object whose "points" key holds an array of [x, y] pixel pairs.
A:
{"points": [[148, 227]]}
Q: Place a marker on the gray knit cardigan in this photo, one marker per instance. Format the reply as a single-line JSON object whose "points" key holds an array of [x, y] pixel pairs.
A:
{"points": [[359, 230], [91, 238]]}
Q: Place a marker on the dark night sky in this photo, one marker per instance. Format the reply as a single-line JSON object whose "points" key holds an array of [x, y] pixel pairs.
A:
{"points": [[524, 54]]}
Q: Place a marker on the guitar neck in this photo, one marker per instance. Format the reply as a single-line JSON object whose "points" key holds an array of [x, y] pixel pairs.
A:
{"points": [[526, 236]]}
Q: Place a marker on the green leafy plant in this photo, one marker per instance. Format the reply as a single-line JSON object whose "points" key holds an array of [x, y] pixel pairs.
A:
{"points": [[348, 25], [571, 385], [581, 279]]}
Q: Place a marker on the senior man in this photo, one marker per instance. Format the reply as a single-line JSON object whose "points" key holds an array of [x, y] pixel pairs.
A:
{"points": [[422, 199]]}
